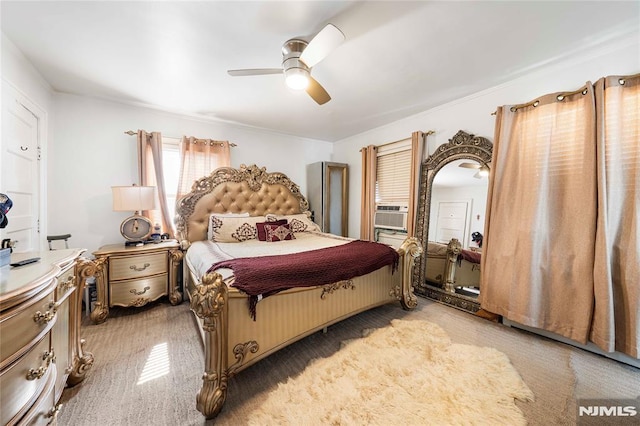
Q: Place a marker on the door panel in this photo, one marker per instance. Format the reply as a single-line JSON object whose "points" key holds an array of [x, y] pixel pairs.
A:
{"points": [[20, 170], [452, 221]]}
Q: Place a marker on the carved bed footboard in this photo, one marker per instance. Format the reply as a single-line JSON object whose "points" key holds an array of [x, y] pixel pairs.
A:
{"points": [[232, 341]]}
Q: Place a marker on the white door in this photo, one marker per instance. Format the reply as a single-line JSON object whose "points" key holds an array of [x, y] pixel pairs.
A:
{"points": [[452, 221], [20, 175]]}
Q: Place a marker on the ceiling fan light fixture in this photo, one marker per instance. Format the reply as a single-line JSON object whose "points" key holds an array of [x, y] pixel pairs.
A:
{"points": [[297, 78], [484, 170]]}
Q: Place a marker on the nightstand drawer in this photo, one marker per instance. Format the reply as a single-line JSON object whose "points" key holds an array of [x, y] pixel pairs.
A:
{"points": [[25, 378], [128, 267], [138, 292], [19, 330]]}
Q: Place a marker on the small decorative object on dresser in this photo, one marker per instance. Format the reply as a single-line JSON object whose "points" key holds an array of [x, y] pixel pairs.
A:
{"points": [[40, 346], [135, 276]]}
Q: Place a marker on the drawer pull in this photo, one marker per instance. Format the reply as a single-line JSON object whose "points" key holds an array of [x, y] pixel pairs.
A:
{"points": [[138, 293], [37, 373], [53, 414], [68, 283], [41, 318], [135, 268]]}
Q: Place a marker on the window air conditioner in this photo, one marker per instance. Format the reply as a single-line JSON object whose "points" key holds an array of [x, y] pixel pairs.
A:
{"points": [[391, 216]]}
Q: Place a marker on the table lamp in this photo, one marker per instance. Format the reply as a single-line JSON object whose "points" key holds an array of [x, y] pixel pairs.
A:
{"points": [[137, 228]]}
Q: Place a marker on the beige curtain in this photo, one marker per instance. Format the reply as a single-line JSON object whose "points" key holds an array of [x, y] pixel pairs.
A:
{"points": [[151, 174], [199, 158], [368, 197], [417, 146], [538, 251], [616, 318]]}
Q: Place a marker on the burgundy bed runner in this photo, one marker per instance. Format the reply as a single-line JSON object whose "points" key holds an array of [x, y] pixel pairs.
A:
{"points": [[267, 275]]}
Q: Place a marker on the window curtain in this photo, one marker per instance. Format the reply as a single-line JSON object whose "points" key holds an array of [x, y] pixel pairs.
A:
{"points": [[368, 191], [538, 251], [616, 318], [417, 146], [151, 174], [199, 158], [562, 243]]}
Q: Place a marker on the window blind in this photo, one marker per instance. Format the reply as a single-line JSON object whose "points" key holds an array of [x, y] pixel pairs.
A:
{"points": [[393, 176]]}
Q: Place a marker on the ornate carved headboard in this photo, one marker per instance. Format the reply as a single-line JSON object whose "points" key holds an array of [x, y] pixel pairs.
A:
{"points": [[227, 190]]}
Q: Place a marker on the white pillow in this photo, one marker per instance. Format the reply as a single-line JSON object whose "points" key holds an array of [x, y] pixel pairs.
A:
{"points": [[234, 229], [221, 215], [300, 222]]}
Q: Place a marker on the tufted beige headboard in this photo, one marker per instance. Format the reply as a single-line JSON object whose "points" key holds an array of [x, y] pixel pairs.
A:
{"points": [[228, 190]]}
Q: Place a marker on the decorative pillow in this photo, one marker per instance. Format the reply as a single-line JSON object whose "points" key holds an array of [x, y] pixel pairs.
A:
{"points": [[215, 223], [300, 222], [278, 232], [262, 234], [271, 217], [234, 229]]}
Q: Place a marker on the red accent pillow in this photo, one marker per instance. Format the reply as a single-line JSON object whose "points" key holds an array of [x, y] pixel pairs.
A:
{"points": [[262, 234], [278, 232]]}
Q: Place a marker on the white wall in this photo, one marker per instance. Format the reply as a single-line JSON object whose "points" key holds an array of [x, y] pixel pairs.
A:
{"points": [[90, 153], [18, 71], [473, 113]]}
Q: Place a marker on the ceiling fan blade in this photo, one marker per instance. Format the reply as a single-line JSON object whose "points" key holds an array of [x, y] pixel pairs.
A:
{"points": [[477, 175], [257, 71], [317, 92], [469, 165], [321, 45]]}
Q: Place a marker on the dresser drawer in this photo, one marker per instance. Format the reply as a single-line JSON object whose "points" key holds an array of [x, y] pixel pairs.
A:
{"points": [[44, 410], [17, 389], [138, 292], [66, 281], [128, 267], [19, 330]]}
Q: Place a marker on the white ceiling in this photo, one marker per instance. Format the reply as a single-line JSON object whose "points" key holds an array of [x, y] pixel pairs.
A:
{"points": [[398, 59], [453, 176]]}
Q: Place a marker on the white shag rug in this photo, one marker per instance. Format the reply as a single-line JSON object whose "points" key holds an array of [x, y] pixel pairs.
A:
{"points": [[409, 373]]}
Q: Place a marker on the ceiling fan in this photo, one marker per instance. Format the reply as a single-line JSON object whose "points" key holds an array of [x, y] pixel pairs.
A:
{"points": [[298, 57], [483, 170]]}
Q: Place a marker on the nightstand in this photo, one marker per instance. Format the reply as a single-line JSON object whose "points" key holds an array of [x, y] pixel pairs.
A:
{"points": [[134, 276]]}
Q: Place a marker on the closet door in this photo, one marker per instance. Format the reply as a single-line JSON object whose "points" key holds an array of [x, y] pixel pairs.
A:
{"points": [[20, 176], [327, 185], [335, 208]]}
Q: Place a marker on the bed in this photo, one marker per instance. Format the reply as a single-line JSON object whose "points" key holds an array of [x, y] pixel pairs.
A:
{"points": [[453, 268], [234, 335]]}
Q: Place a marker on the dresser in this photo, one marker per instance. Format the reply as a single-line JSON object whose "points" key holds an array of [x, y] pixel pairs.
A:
{"points": [[133, 276], [41, 350]]}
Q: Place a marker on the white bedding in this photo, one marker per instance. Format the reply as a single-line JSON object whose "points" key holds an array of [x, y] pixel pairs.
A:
{"points": [[202, 254]]}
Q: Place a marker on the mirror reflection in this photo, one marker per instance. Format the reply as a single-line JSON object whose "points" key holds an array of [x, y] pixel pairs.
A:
{"points": [[458, 202], [450, 221]]}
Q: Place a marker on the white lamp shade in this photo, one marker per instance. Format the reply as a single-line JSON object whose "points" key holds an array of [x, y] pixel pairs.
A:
{"points": [[133, 198]]}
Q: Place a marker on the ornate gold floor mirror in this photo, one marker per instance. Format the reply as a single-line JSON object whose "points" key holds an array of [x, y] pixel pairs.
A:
{"points": [[451, 207]]}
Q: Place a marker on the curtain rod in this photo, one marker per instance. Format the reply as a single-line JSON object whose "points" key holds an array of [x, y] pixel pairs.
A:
{"points": [[132, 133], [425, 134]]}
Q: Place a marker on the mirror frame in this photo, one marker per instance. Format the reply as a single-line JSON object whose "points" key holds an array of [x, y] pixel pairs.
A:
{"points": [[462, 145]]}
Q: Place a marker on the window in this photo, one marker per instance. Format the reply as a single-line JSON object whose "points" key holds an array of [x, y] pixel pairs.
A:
{"points": [[171, 170], [393, 173]]}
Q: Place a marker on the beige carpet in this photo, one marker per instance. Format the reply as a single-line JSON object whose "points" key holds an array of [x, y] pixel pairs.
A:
{"points": [[408, 370], [112, 394]]}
